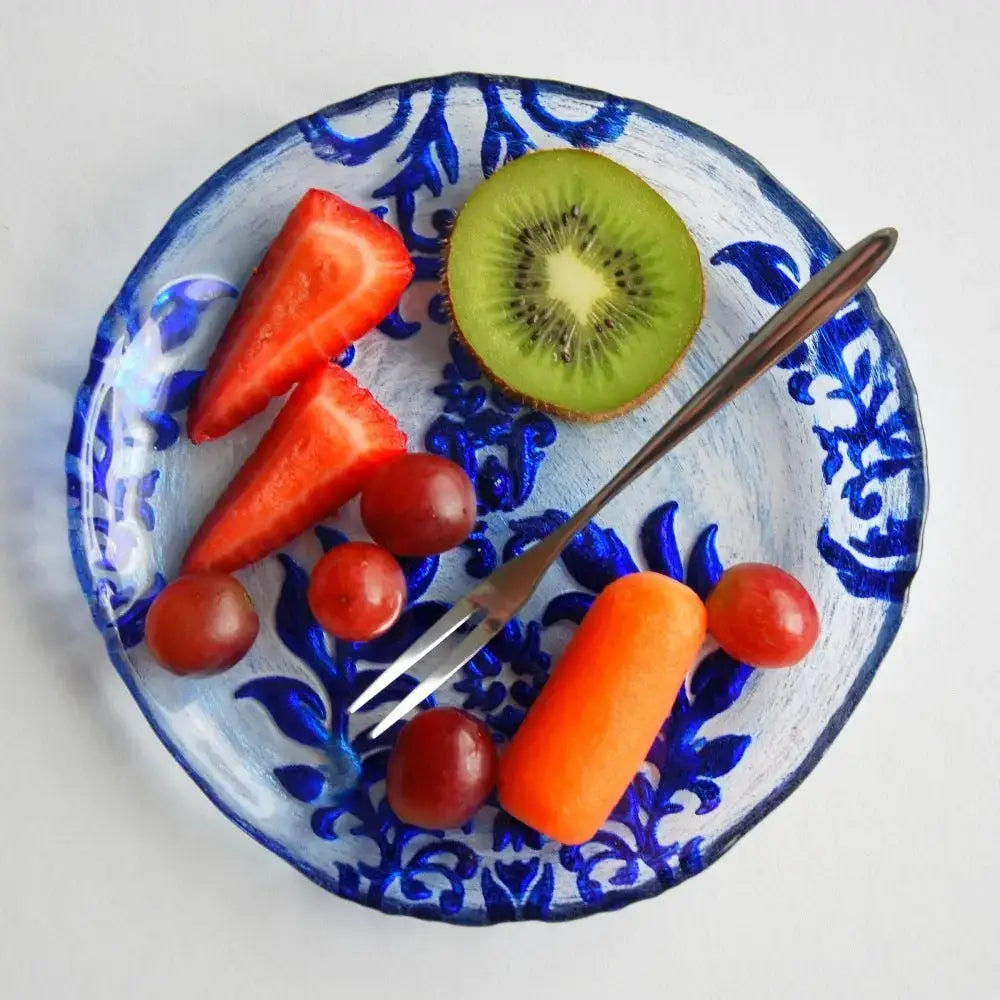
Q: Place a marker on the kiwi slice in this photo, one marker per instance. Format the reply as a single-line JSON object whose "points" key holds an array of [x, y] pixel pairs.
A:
{"points": [[575, 284]]}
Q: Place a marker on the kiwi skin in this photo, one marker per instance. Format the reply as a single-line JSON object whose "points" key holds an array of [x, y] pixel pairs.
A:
{"points": [[572, 416]]}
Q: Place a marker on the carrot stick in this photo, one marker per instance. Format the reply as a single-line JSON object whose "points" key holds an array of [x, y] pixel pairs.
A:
{"points": [[597, 716]]}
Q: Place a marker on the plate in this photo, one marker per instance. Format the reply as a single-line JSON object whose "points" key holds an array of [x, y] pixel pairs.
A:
{"points": [[819, 467]]}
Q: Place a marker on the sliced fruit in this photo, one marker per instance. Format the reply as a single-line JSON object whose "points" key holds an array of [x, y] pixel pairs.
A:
{"points": [[419, 505], [590, 729], [201, 624], [331, 274], [442, 769], [357, 591], [328, 439], [574, 283], [763, 616]]}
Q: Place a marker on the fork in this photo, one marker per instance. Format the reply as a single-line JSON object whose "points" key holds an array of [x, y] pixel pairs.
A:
{"points": [[487, 608]]}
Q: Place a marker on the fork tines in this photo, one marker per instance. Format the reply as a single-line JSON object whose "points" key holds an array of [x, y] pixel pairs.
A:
{"points": [[471, 644], [464, 611]]}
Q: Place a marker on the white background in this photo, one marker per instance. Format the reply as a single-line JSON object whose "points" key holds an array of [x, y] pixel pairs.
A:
{"points": [[879, 878]]}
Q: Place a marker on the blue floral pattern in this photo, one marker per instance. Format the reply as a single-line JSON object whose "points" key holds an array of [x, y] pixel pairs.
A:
{"points": [[883, 441], [127, 419], [499, 444], [139, 413]]}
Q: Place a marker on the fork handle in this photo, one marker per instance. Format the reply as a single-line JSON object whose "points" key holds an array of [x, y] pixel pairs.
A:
{"points": [[807, 310]]}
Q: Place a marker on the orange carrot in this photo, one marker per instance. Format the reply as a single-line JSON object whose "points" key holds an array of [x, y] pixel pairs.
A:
{"points": [[593, 723]]}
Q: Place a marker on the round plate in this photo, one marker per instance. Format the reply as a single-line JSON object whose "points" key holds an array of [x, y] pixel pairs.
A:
{"points": [[818, 467]]}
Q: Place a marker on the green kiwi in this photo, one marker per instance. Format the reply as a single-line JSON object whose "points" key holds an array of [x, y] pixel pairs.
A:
{"points": [[575, 285]]}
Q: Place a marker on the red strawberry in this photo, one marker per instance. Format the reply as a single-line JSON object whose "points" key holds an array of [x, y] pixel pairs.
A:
{"points": [[328, 439], [332, 273]]}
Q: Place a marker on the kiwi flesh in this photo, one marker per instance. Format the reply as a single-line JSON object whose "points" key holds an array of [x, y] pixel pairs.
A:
{"points": [[574, 283]]}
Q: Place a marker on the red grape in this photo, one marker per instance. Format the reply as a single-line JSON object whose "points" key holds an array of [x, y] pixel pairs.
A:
{"points": [[442, 768], [419, 505], [201, 623], [762, 616], [357, 591]]}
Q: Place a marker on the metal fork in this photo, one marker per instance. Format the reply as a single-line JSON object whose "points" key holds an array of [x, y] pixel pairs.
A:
{"points": [[486, 609]]}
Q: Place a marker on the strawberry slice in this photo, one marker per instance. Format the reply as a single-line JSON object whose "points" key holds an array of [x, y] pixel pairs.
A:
{"points": [[328, 439], [333, 272]]}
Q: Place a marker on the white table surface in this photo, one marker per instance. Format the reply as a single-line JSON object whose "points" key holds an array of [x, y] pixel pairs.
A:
{"points": [[878, 878]]}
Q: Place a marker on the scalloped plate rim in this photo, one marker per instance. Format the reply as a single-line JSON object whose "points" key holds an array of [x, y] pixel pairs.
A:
{"points": [[779, 195]]}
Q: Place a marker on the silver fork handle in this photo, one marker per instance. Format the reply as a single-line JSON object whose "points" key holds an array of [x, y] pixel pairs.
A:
{"points": [[807, 310]]}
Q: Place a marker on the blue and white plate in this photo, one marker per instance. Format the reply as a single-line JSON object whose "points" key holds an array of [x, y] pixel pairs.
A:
{"points": [[819, 468]]}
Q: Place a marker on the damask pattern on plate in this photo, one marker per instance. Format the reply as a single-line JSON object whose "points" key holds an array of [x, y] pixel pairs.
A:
{"points": [[284, 760]]}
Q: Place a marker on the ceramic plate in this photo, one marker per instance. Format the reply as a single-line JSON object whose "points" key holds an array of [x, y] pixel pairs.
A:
{"points": [[818, 467]]}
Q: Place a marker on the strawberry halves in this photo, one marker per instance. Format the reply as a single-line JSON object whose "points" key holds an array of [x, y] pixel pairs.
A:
{"points": [[328, 439], [332, 273]]}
